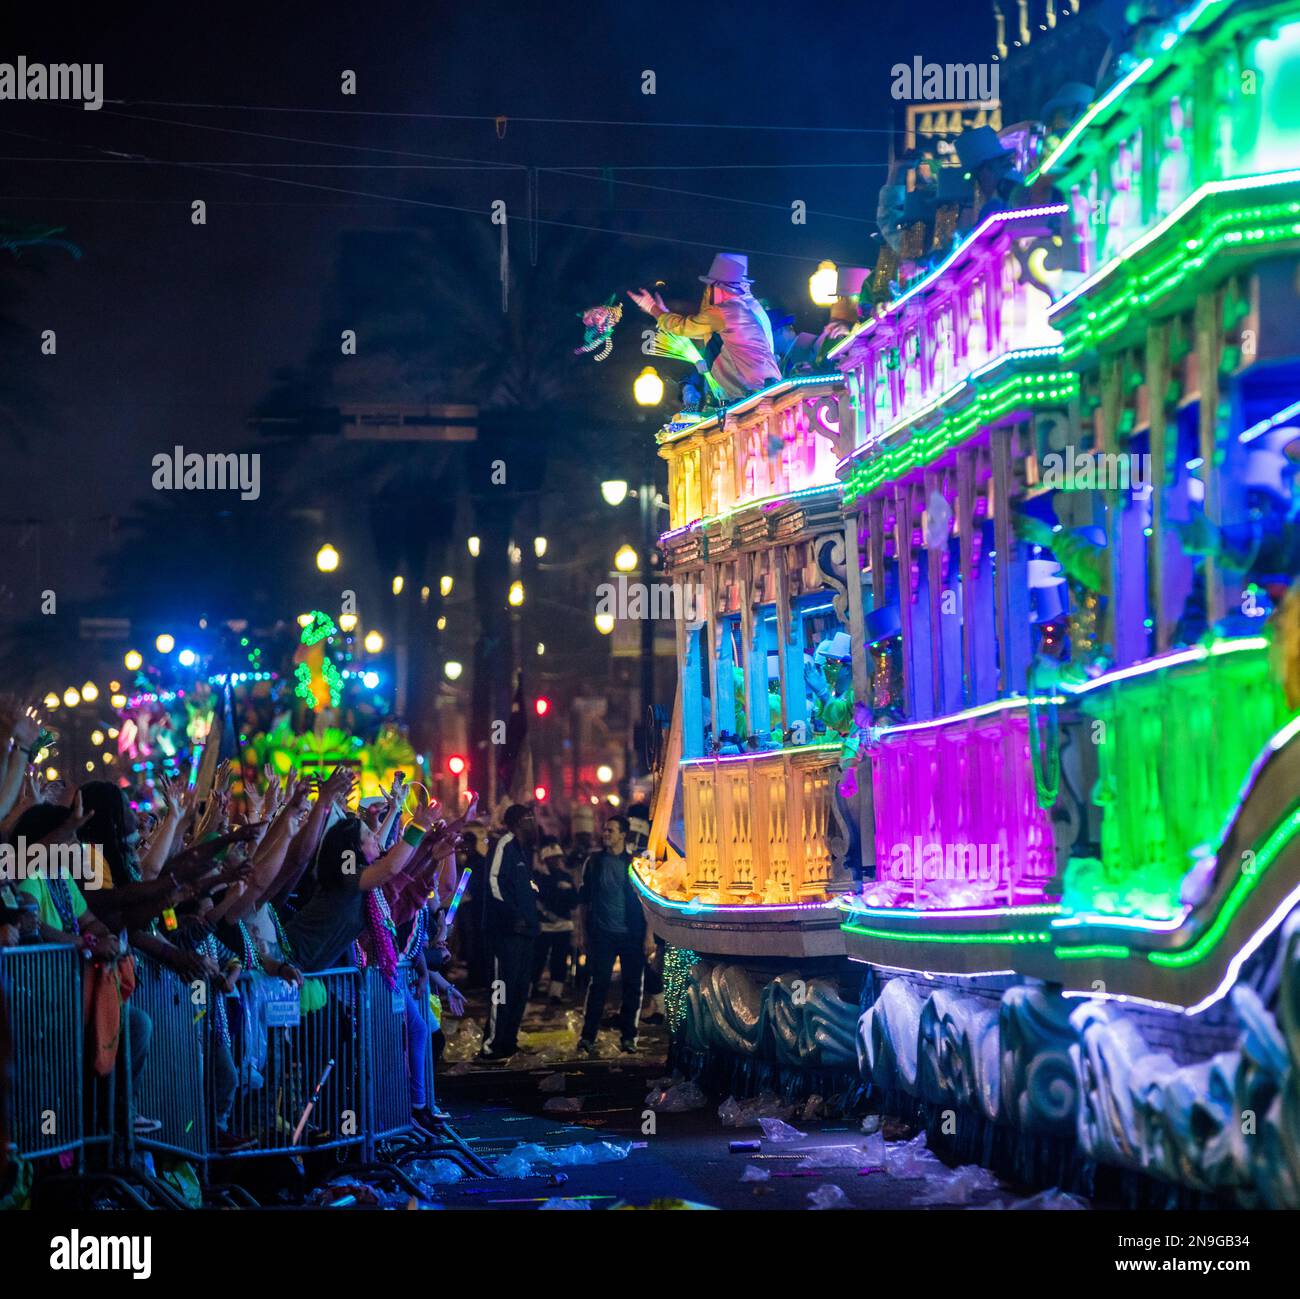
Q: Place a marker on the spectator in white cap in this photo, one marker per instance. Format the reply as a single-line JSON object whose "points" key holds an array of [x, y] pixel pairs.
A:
{"points": [[746, 362]]}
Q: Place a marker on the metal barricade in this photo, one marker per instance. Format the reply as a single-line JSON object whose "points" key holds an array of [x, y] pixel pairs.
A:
{"points": [[171, 1087], [300, 1071], [387, 1046], [42, 994]]}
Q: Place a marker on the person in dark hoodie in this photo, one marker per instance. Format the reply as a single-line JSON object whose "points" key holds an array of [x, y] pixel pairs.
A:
{"points": [[615, 931], [514, 924]]}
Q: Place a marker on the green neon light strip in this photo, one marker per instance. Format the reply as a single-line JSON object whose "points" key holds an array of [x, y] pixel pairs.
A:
{"points": [[976, 940], [1096, 950], [1241, 890], [989, 405], [1254, 227]]}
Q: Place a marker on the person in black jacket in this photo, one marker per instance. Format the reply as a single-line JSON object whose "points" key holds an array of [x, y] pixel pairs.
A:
{"points": [[615, 931], [513, 924]]}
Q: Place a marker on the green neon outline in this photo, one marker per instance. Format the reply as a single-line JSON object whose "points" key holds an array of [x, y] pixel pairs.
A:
{"points": [[1104, 950], [1012, 939], [1037, 388], [1277, 840]]}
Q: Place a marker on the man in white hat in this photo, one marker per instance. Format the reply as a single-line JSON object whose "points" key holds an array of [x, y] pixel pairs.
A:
{"points": [[746, 362]]}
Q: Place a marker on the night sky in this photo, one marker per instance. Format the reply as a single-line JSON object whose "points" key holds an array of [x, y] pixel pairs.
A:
{"points": [[170, 333]]}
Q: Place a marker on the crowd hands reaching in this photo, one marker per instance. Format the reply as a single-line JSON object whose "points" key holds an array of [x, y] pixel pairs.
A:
{"points": [[275, 882]]}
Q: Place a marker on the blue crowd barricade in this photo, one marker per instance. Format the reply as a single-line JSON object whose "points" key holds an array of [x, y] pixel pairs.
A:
{"points": [[387, 1054], [171, 1086], [43, 998]]}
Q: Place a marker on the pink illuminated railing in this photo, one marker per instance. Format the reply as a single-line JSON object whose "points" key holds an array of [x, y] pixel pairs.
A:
{"points": [[957, 820]]}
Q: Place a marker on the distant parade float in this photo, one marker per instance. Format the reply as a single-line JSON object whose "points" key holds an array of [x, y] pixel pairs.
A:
{"points": [[982, 792]]}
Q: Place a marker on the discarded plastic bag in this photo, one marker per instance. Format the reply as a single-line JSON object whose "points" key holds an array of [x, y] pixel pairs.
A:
{"points": [[676, 1099], [828, 1196], [868, 1154], [779, 1130], [912, 1159], [563, 1105], [957, 1186], [435, 1172], [746, 1114]]}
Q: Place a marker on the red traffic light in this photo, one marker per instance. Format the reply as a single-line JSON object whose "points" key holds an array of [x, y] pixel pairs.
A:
{"points": [[456, 764], [539, 793], [542, 705]]}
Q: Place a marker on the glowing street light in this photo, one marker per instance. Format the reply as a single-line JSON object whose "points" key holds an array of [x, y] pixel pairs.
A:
{"points": [[452, 669], [473, 544], [398, 583], [442, 622], [97, 737], [118, 701], [625, 558], [604, 623], [822, 284], [516, 596], [166, 643], [90, 692], [445, 583], [186, 658], [133, 660], [327, 558], [304, 620], [539, 546], [614, 490], [348, 621], [71, 697], [648, 388], [604, 773], [374, 642], [51, 701]]}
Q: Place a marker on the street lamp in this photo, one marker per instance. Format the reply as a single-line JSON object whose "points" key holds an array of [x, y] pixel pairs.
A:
{"points": [[473, 544], [604, 623], [516, 595], [398, 583], [165, 643], [625, 558], [71, 697], [348, 621], [614, 490], [452, 670], [327, 558], [51, 701], [648, 388], [133, 660], [90, 692], [374, 642], [539, 546], [445, 583], [822, 284]]}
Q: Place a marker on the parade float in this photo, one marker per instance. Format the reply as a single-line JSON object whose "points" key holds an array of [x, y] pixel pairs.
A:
{"points": [[983, 786]]}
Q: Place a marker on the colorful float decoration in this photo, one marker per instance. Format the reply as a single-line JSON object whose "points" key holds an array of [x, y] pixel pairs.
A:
{"points": [[986, 727]]}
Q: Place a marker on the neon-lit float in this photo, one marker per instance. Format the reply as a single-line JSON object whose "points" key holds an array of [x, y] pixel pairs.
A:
{"points": [[1031, 856]]}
